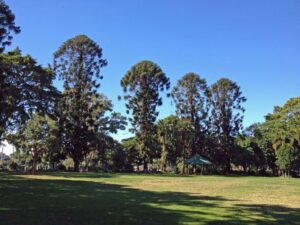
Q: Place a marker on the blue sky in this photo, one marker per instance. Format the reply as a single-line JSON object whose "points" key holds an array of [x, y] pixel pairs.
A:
{"points": [[254, 43]]}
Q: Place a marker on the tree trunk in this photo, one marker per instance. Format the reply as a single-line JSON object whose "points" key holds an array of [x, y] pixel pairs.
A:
{"points": [[228, 167], [245, 168], [175, 165], [76, 165], [164, 155], [33, 166], [34, 159], [87, 162], [275, 173], [165, 168], [183, 166], [145, 166]]}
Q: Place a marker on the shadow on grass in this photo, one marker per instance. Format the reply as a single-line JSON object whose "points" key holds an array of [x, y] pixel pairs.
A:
{"points": [[259, 214], [80, 175], [64, 202]]}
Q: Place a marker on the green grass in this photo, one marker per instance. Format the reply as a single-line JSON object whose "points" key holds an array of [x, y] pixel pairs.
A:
{"points": [[95, 198]]}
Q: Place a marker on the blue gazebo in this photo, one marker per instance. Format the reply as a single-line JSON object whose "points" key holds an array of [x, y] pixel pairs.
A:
{"points": [[198, 160]]}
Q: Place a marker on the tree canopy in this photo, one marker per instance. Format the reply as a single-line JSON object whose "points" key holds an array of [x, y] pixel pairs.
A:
{"points": [[25, 88]]}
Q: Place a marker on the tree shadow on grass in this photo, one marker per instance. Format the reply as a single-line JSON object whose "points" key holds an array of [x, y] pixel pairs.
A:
{"points": [[64, 202], [81, 174], [259, 214]]}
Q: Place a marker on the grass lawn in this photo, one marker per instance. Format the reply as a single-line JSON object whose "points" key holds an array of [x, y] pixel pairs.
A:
{"points": [[95, 198]]}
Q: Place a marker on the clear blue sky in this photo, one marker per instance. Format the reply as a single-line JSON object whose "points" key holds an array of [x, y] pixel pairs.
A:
{"points": [[255, 43]]}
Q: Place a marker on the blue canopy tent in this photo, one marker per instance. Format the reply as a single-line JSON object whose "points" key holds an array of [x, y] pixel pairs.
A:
{"points": [[198, 160]]}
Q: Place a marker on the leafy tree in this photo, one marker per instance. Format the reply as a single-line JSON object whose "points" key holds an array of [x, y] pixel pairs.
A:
{"points": [[249, 153], [243, 156], [165, 129], [190, 97], [107, 122], [186, 138], [7, 95], [131, 149], [78, 63], [226, 118], [177, 138], [260, 136], [283, 127], [258, 133], [84, 125], [38, 137], [141, 85], [7, 25], [121, 160], [269, 154], [22, 158], [285, 157], [25, 88]]}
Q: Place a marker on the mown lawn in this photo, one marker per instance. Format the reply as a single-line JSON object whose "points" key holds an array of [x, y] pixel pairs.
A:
{"points": [[95, 198]]}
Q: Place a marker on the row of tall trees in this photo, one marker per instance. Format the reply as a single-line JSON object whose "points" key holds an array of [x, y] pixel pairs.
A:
{"points": [[207, 118], [74, 125]]}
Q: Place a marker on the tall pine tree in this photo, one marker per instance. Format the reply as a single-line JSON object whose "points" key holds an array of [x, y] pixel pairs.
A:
{"points": [[78, 63], [190, 97], [142, 85], [226, 118]]}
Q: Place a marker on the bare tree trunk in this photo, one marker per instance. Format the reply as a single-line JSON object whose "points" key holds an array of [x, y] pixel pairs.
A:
{"points": [[87, 162], [228, 166], [33, 166], [145, 165], [34, 159], [183, 167], [76, 165]]}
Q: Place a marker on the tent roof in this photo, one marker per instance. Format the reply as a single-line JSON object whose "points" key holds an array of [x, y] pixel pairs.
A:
{"points": [[198, 160]]}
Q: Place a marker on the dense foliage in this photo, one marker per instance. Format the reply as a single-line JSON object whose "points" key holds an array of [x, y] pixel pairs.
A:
{"points": [[25, 88]]}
